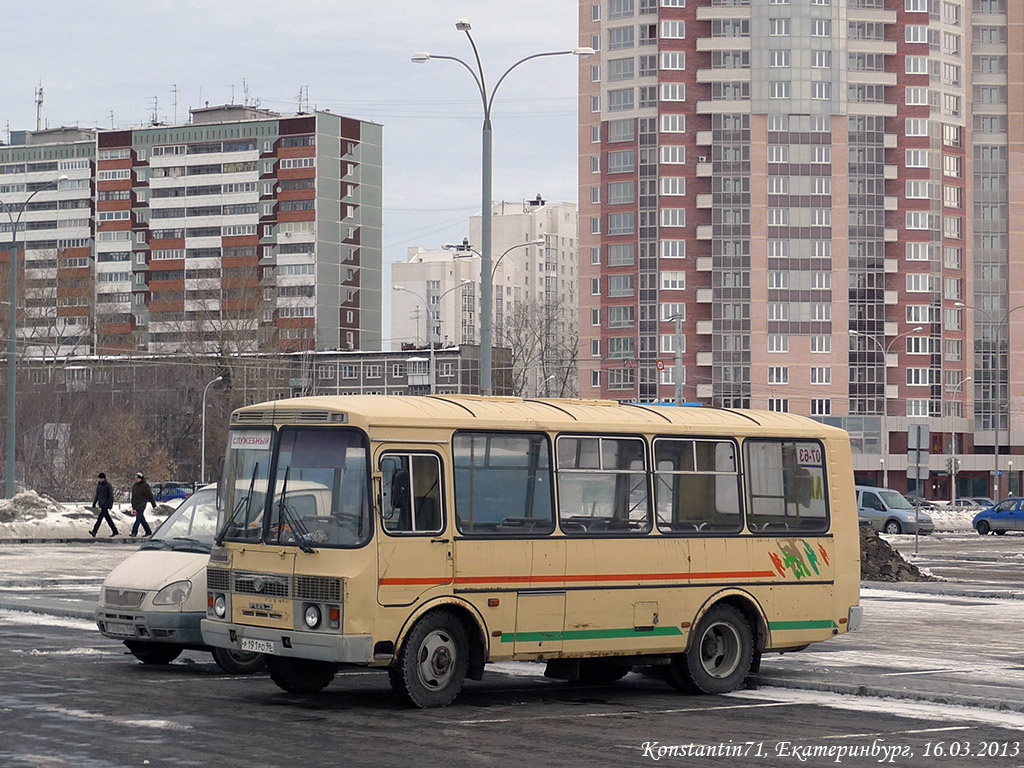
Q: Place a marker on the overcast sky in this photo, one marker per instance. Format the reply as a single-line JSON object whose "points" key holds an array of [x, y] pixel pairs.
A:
{"points": [[104, 63]]}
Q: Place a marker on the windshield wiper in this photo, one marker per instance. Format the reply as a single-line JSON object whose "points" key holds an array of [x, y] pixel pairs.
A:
{"points": [[238, 507], [301, 532]]}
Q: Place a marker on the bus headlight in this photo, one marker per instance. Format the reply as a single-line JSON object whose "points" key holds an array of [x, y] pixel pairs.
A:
{"points": [[220, 606], [175, 593], [311, 615]]}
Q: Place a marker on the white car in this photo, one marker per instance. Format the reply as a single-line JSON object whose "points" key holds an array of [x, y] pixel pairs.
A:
{"points": [[153, 601]]}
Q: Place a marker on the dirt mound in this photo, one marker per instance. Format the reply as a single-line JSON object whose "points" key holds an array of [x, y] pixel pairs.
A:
{"points": [[880, 562], [27, 505]]}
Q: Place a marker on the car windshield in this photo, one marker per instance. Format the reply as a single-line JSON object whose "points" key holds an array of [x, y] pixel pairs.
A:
{"points": [[190, 527], [895, 500]]}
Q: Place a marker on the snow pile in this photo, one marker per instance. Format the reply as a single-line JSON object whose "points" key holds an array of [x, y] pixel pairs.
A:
{"points": [[32, 516], [953, 519], [28, 505]]}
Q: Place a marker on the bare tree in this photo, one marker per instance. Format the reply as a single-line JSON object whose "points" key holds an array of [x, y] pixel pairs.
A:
{"points": [[542, 337]]}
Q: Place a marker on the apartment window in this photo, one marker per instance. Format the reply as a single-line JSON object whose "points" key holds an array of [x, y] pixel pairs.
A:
{"points": [[778, 153], [595, 286], [778, 311], [648, 65], [595, 225], [821, 374], [673, 91], [951, 196], [778, 185], [673, 217], [779, 58], [821, 407], [778, 404], [595, 73], [673, 249], [595, 195], [621, 223], [778, 217], [621, 347], [821, 185], [778, 280], [620, 99], [821, 59], [778, 27], [595, 103], [668, 343], [595, 347], [952, 227], [917, 158], [622, 161], [595, 378], [918, 190], [620, 192], [673, 281], [621, 254], [779, 89], [951, 165], [821, 154], [821, 344], [673, 60], [919, 377], [673, 155], [620, 9], [621, 316], [821, 27], [620, 130], [595, 254], [673, 30], [620, 69], [916, 97], [821, 91], [954, 319], [648, 96], [778, 374], [954, 349], [953, 257], [620, 37], [620, 286], [671, 310], [778, 342], [673, 124]]}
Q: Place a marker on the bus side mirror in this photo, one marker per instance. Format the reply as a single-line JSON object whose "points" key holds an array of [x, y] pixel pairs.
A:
{"points": [[220, 480]]}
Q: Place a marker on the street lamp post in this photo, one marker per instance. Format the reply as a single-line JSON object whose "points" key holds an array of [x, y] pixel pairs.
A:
{"points": [[885, 392], [487, 99], [1001, 402], [202, 449], [954, 449], [12, 325], [430, 320], [679, 358]]}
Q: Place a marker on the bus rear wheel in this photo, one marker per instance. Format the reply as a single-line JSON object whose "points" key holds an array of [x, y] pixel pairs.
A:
{"points": [[433, 661], [238, 662], [300, 675], [719, 657]]}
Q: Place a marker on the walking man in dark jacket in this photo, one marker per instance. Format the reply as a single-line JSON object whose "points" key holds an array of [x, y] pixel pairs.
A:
{"points": [[142, 495], [104, 500]]}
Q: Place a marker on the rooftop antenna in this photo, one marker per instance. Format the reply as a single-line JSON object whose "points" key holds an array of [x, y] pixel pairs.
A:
{"points": [[39, 106], [303, 99], [111, 119], [174, 90], [232, 93], [156, 112], [245, 92]]}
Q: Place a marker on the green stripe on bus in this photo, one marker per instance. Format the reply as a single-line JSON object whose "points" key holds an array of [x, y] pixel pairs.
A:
{"points": [[588, 634], [811, 624]]}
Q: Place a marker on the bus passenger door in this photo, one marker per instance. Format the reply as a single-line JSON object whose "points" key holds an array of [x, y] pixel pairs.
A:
{"points": [[414, 543]]}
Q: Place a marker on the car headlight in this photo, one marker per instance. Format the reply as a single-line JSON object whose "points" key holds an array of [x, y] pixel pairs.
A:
{"points": [[175, 593], [311, 615], [220, 606]]}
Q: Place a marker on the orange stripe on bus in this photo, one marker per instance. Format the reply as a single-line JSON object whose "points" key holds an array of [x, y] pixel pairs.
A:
{"points": [[598, 577]]}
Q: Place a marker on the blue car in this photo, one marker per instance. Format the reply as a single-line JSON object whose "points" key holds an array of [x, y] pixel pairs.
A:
{"points": [[171, 491], [1007, 515]]}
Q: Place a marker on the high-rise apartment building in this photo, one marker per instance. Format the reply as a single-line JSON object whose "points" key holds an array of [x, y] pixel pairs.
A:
{"points": [[819, 190], [534, 257], [241, 230]]}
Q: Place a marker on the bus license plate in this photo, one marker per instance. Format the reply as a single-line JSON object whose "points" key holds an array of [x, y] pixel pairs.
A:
{"points": [[120, 629], [257, 646]]}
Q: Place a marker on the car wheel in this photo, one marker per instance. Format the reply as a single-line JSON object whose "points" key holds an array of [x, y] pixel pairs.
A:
{"points": [[300, 675], [720, 654], [983, 527], [1000, 532], [893, 527], [239, 662], [154, 653], [433, 661]]}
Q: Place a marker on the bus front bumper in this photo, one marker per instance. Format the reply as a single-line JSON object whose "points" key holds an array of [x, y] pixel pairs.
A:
{"points": [[321, 646]]}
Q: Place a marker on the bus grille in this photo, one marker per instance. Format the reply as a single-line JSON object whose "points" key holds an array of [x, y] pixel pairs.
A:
{"points": [[218, 578], [318, 588], [268, 584], [123, 598]]}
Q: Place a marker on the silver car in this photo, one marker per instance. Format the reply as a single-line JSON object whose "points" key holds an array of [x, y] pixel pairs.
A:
{"points": [[888, 511]]}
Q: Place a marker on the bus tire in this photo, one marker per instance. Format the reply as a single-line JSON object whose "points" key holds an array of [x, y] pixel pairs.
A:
{"points": [[720, 655], [433, 661], [154, 653], [601, 671], [238, 662], [300, 675]]}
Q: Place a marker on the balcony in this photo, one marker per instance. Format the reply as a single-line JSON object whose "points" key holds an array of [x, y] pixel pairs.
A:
{"points": [[705, 232], [705, 327], [705, 263]]}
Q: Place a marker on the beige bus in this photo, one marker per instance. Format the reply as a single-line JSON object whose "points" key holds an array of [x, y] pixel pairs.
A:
{"points": [[452, 531]]}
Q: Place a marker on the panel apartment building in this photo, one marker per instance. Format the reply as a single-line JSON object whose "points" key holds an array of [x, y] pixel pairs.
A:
{"points": [[820, 189], [241, 230]]}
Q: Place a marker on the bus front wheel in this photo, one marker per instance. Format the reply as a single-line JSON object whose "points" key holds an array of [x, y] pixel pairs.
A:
{"points": [[433, 661], [300, 675], [719, 657]]}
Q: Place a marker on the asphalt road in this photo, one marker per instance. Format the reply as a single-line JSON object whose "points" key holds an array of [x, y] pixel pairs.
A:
{"points": [[73, 698]]}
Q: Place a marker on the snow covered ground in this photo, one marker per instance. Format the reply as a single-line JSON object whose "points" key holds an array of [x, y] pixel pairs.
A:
{"points": [[31, 516]]}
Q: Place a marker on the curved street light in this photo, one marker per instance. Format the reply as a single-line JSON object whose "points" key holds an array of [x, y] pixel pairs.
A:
{"points": [[430, 335], [954, 448], [885, 392], [12, 325], [202, 450], [487, 100], [1002, 404]]}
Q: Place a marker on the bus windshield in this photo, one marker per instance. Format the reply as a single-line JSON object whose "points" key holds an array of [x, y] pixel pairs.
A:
{"points": [[240, 506], [321, 489]]}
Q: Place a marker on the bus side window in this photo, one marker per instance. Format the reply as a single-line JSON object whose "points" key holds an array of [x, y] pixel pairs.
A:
{"points": [[410, 493]]}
